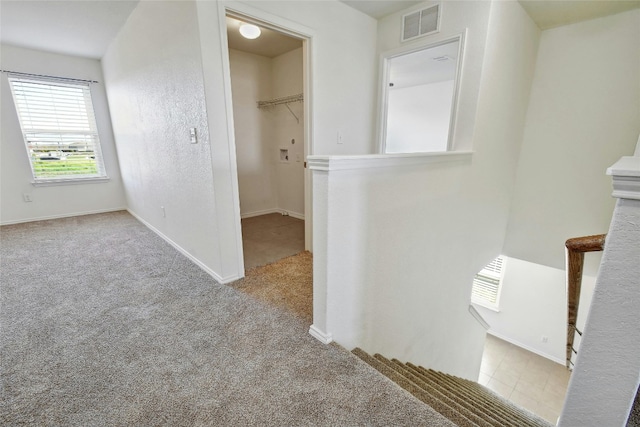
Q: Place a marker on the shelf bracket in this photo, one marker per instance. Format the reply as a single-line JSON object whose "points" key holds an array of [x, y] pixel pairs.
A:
{"points": [[292, 113]]}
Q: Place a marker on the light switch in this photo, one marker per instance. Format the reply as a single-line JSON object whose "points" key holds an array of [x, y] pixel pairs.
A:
{"points": [[193, 135]]}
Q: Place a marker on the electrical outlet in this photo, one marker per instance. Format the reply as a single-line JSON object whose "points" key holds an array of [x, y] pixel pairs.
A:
{"points": [[339, 137], [545, 339], [164, 213], [27, 197]]}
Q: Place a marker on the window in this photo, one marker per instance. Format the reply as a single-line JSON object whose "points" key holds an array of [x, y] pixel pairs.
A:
{"points": [[419, 97], [59, 129], [487, 284]]}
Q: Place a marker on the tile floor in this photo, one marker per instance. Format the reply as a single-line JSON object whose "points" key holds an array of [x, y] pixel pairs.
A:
{"points": [[531, 381], [268, 238]]}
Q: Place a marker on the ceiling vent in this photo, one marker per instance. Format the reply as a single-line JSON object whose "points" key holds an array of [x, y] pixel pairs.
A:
{"points": [[421, 23]]}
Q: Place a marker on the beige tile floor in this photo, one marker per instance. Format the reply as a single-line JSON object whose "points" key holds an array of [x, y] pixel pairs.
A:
{"points": [[268, 238], [531, 381]]}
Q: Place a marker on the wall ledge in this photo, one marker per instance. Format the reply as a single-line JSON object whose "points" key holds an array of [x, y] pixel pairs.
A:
{"points": [[626, 178], [370, 161]]}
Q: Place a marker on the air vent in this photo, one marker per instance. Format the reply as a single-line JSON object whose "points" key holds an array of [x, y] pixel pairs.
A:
{"points": [[421, 23]]}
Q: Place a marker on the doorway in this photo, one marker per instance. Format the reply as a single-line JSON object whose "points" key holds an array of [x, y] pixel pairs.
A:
{"points": [[267, 69]]}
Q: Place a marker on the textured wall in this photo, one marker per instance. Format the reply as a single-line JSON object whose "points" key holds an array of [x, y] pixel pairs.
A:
{"points": [[605, 379], [155, 87], [287, 80], [584, 114], [267, 184], [15, 178], [250, 82], [456, 17], [403, 243]]}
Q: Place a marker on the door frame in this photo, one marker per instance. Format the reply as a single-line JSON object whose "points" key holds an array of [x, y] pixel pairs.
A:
{"points": [[260, 17]]}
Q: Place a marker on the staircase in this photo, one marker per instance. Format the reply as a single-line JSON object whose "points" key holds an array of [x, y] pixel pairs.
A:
{"points": [[464, 402]]}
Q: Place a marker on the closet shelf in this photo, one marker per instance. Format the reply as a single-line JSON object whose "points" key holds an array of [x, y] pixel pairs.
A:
{"points": [[278, 101]]}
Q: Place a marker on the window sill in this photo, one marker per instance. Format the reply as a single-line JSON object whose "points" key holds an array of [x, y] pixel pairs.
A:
{"points": [[69, 181], [487, 306]]}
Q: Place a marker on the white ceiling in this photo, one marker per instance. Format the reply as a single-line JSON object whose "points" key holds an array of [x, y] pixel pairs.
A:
{"points": [[80, 28], [555, 13], [545, 13], [86, 27], [270, 43], [379, 8]]}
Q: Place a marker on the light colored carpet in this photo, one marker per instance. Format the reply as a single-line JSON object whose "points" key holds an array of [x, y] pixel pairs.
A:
{"points": [[104, 324], [287, 283]]}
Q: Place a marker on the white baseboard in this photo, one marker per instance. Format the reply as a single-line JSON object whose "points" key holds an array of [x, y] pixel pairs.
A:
{"points": [[66, 215], [259, 213], [271, 211], [296, 215], [184, 252], [319, 335], [526, 347]]}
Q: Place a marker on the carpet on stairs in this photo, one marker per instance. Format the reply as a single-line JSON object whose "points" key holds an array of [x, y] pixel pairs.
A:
{"points": [[464, 402]]}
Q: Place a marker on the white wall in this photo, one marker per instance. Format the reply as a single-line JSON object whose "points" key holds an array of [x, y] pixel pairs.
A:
{"points": [[251, 81], [533, 304], [343, 60], [166, 72], [287, 73], [153, 73], [266, 183], [605, 379], [418, 118], [403, 242], [584, 114], [60, 200], [456, 18]]}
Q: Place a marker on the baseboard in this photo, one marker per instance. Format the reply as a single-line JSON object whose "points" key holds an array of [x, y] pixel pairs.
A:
{"points": [[526, 347], [184, 252], [271, 211], [319, 335], [67, 215], [295, 215], [259, 213]]}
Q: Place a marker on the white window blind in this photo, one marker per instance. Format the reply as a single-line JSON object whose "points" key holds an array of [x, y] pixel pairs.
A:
{"points": [[486, 284], [59, 128]]}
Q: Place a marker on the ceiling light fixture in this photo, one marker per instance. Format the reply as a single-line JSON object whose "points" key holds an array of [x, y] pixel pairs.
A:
{"points": [[250, 31]]}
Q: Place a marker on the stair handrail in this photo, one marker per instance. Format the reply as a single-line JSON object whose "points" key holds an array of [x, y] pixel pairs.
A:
{"points": [[575, 250]]}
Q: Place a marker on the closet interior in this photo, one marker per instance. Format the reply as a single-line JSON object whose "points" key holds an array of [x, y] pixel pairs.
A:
{"points": [[268, 111]]}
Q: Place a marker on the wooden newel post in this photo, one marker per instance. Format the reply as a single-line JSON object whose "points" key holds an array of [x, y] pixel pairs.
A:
{"points": [[575, 249]]}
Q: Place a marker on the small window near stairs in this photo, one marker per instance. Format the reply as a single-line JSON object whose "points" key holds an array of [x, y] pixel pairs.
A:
{"points": [[487, 284]]}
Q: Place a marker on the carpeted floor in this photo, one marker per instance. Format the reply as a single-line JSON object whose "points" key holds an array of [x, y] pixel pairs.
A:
{"points": [[103, 323], [286, 283]]}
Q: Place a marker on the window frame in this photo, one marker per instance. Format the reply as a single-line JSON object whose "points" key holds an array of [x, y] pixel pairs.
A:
{"points": [[91, 123], [486, 273], [384, 75]]}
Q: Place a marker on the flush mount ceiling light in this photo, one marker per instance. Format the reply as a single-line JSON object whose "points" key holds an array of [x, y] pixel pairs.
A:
{"points": [[250, 31]]}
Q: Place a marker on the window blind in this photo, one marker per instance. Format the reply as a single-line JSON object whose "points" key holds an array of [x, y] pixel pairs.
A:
{"points": [[486, 284], [59, 128]]}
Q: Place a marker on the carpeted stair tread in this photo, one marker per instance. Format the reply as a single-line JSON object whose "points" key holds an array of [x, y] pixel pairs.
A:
{"points": [[451, 393], [489, 395], [422, 395], [486, 409], [462, 401], [493, 403], [478, 394], [470, 415]]}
